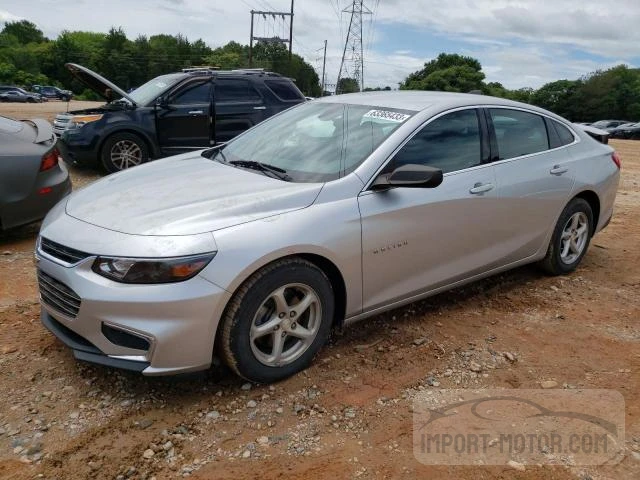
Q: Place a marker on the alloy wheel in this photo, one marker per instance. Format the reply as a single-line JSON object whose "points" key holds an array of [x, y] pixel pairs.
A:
{"points": [[285, 325], [126, 154], [575, 236]]}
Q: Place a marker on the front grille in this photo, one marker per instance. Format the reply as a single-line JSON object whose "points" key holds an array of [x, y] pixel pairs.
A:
{"points": [[66, 254], [58, 296]]}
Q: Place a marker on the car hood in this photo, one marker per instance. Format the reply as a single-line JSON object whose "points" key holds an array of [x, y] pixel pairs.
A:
{"points": [[185, 195], [97, 83]]}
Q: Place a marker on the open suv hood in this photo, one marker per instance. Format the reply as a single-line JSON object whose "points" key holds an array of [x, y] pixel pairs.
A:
{"points": [[97, 83]]}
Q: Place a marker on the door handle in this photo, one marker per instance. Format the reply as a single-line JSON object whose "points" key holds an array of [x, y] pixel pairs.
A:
{"points": [[196, 112], [259, 108], [479, 188], [558, 170]]}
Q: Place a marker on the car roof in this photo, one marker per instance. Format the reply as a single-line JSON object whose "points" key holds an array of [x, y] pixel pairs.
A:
{"points": [[423, 100]]}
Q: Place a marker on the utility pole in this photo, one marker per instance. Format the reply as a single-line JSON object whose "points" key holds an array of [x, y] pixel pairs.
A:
{"points": [[275, 38], [291, 31], [324, 65], [251, 41], [352, 64]]}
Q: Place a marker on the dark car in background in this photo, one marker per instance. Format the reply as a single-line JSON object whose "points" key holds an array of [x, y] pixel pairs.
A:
{"points": [[629, 132], [170, 114], [53, 93], [32, 180], [17, 94], [608, 124]]}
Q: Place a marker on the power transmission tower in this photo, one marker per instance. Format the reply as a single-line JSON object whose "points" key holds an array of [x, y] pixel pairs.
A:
{"points": [[352, 64]]}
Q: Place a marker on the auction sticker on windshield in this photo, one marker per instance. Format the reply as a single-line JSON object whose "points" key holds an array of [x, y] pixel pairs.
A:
{"points": [[386, 115]]}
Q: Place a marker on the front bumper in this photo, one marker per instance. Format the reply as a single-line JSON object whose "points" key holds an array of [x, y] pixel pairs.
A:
{"points": [[76, 148], [176, 323]]}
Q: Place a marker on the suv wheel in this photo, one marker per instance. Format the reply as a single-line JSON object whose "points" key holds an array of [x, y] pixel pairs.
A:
{"points": [[122, 151], [570, 238], [277, 321]]}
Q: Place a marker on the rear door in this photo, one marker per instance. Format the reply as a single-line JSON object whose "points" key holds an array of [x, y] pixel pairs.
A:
{"points": [[239, 107], [184, 122], [534, 171]]}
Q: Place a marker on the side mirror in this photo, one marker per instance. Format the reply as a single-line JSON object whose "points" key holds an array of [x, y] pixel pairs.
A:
{"points": [[162, 102], [410, 176]]}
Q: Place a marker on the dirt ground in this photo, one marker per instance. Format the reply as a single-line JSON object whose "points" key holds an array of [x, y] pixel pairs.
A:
{"points": [[349, 415]]}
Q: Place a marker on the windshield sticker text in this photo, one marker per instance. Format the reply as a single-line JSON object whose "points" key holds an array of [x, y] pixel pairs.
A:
{"points": [[387, 115]]}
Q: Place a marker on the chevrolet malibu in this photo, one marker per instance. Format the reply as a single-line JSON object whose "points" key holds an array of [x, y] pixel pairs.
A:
{"points": [[328, 213]]}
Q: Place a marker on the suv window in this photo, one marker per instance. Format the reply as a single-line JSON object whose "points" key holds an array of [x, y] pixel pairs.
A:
{"points": [[283, 90], [231, 90], [450, 143], [194, 94], [519, 133]]}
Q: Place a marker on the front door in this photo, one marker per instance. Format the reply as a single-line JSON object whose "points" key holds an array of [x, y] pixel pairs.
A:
{"points": [[239, 107], [184, 122], [418, 239]]}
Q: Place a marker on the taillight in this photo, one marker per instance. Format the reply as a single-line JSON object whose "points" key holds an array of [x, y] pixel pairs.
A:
{"points": [[49, 160], [616, 159]]}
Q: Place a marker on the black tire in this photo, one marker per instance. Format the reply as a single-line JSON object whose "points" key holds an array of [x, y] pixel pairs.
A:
{"points": [[115, 144], [234, 343], [553, 263]]}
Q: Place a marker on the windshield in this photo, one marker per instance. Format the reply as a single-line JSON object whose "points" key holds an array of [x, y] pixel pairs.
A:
{"points": [[315, 142], [148, 92]]}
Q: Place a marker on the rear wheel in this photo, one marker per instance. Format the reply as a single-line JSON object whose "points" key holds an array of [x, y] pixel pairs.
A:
{"points": [[277, 321], [570, 239], [122, 151]]}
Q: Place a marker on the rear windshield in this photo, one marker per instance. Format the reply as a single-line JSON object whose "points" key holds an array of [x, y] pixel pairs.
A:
{"points": [[148, 92], [284, 90], [8, 125]]}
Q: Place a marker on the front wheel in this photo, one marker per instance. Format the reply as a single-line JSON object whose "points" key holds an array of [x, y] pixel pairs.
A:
{"points": [[277, 321], [122, 151], [570, 239]]}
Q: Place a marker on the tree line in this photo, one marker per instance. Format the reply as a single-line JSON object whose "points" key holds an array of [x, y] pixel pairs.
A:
{"points": [[27, 58], [604, 94]]}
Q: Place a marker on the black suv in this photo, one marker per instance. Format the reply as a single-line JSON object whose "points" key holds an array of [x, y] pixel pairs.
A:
{"points": [[49, 91], [170, 114]]}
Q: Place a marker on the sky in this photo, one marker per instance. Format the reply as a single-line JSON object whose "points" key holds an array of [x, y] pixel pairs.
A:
{"points": [[520, 43]]}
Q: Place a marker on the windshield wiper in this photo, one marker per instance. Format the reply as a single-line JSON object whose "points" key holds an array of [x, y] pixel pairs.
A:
{"points": [[277, 172]]}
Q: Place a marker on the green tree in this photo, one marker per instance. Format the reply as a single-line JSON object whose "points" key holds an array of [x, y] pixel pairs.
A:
{"points": [[24, 31], [448, 72], [347, 85]]}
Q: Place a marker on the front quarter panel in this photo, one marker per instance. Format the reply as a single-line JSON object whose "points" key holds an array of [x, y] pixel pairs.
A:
{"points": [[329, 228]]}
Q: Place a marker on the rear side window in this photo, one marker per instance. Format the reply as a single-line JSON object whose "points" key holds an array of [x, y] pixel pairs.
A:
{"points": [[566, 137], [229, 90], [283, 90], [519, 133], [450, 143], [193, 95]]}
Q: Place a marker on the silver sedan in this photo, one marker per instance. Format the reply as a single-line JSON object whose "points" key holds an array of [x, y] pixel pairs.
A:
{"points": [[328, 213]]}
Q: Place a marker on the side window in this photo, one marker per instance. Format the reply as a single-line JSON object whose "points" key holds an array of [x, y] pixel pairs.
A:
{"points": [[197, 94], [451, 142], [519, 133], [283, 90], [228, 90], [566, 137]]}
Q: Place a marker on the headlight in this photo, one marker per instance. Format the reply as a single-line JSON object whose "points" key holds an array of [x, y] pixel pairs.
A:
{"points": [[151, 270], [78, 121]]}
